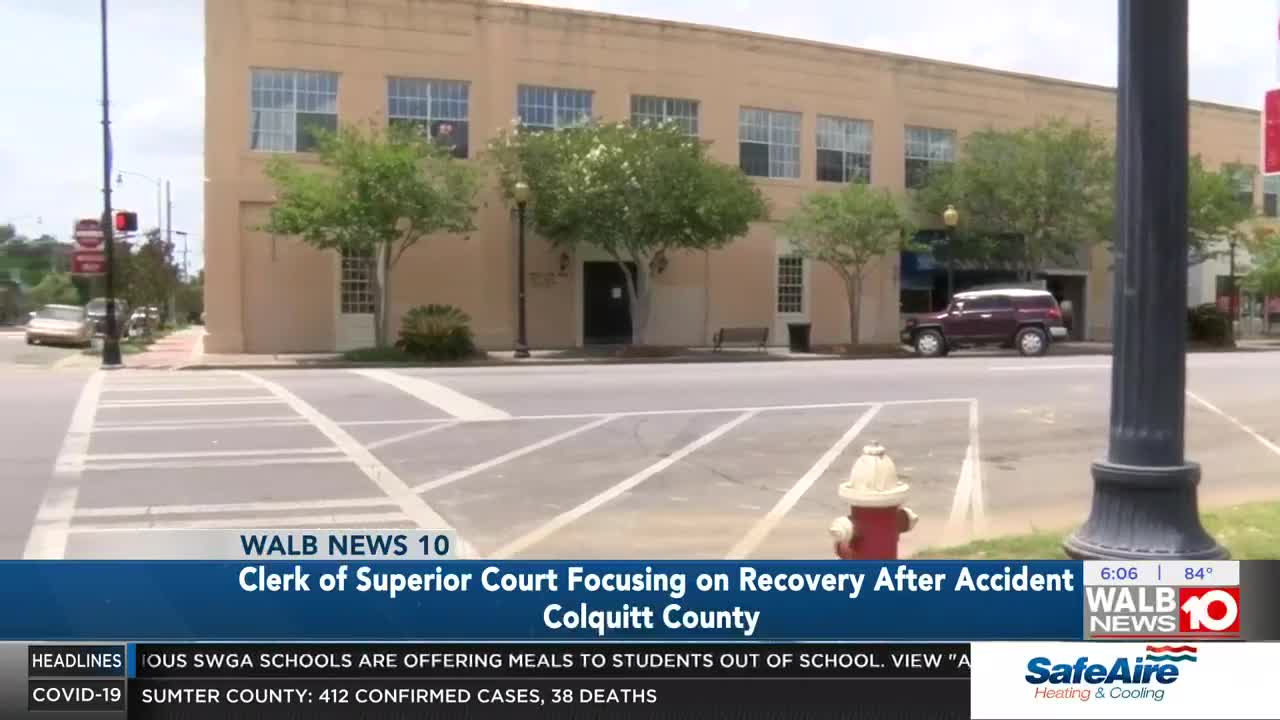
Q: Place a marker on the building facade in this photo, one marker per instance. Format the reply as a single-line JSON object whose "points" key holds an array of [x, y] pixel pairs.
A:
{"points": [[798, 116]]}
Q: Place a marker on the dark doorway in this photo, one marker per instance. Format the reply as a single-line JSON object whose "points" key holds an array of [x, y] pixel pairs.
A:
{"points": [[606, 304], [1069, 290]]}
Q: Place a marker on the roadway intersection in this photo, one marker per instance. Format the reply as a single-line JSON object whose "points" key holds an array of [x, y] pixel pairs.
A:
{"points": [[674, 461]]}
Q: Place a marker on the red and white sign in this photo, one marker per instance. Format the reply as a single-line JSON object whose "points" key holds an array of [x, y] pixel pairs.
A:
{"points": [[88, 262], [1209, 610], [88, 234]]}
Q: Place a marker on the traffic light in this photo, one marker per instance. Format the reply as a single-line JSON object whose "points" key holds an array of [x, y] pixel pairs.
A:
{"points": [[126, 221]]}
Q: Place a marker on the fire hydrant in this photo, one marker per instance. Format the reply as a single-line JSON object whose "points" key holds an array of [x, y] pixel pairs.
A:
{"points": [[877, 516]]}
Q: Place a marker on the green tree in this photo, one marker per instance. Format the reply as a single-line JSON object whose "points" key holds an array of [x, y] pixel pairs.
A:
{"points": [[1048, 186], [55, 289], [1263, 277], [1216, 215], [153, 274], [964, 246], [639, 194], [847, 230], [379, 192]]}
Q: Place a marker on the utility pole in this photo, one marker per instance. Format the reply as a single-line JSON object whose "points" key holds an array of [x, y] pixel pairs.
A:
{"points": [[168, 240], [111, 357]]}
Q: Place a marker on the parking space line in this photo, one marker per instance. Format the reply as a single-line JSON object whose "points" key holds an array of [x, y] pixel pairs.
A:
{"points": [[766, 524], [348, 519], [124, 511], [191, 422], [169, 427], [420, 432], [48, 537], [973, 456], [192, 402], [109, 457], [454, 477], [410, 503], [1027, 368], [214, 463], [163, 387], [1262, 439], [445, 399], [558, 522]]}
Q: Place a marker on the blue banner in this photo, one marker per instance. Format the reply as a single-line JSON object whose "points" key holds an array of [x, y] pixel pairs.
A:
{"points": [[479, 601]]}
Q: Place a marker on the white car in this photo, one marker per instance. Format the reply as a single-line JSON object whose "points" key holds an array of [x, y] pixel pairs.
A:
{"points": [[60, 325]]}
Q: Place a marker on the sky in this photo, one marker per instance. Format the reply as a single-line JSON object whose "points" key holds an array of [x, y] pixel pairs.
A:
{"points": [[50, 86]]}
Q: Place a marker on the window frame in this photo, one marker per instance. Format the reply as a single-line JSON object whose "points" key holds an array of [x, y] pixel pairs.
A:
{"points": [[846, 153], [292, 111], [555, 107], [913, 179], [666, 115], [1271, 196], [433, 122], [359, 298], [770, 128], [795, 285]]}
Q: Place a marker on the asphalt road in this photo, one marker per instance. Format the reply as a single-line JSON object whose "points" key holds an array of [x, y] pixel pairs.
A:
{"points": [[642, 461], [14, 350]]}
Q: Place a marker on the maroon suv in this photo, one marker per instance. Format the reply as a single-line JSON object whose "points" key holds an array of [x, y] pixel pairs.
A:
{"points": [[1028, 320]]}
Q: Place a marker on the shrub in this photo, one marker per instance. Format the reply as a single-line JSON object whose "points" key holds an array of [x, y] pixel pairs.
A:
{"points": [[436, 332], [1207, 324]]}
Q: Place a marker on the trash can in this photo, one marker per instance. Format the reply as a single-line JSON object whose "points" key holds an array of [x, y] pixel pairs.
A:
{"points": [[799, 336]]}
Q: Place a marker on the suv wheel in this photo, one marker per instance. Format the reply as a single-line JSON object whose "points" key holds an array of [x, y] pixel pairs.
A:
{"points": [[1032, 341], [929, 343]]}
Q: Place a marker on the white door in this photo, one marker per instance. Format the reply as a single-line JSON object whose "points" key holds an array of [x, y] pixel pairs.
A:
{"points": [[353, 324]]}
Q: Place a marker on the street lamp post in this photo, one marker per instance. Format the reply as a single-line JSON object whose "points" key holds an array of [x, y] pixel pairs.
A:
{"points": [[951, 218], [1144, 493], [522, 339], [111, 357], [1234, 307]]}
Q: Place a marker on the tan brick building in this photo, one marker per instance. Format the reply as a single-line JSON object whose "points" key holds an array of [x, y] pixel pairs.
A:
{"points": [[800, 116]]}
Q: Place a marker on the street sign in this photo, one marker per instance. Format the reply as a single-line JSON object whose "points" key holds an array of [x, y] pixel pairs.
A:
{"points": [[88, 234], [88, 262]]}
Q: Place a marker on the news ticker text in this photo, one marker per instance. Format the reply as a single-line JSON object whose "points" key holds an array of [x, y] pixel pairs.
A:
{"points": [[320, 681]]}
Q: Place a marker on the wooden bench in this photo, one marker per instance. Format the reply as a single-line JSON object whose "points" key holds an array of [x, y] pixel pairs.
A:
{"points": [[757, 336]]}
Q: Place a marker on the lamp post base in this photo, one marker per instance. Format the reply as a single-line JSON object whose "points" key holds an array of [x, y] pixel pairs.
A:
{"points": [[522, 351], [1144, 513], [111, 356]]}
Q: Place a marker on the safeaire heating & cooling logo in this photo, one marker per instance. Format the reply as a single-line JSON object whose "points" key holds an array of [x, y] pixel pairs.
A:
{"points": [[1113, 678]]}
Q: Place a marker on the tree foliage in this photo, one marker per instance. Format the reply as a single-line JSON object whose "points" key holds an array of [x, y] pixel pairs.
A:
{"points": [[637, 193], [153, 274], [378, 193], [55, 289], [1263, 278], [847, 230], [1049, 187], [1215, 213]]}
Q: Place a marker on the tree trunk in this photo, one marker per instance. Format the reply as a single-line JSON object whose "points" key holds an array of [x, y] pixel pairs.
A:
{"points": [[853, 286], [638, 296], [384, 321], [375, 286]]}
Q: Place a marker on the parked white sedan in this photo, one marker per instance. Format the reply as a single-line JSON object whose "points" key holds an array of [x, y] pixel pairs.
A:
{"points": [[60, 325]]}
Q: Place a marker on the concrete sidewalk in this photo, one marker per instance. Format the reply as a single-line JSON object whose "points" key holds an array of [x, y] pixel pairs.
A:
{"points": [[175, 350]]}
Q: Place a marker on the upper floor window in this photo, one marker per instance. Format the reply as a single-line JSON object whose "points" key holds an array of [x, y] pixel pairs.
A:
{"points": [[844, 150], [1243, 179], [1271, 196], [769, 143], [286, 106], [548, 108], [439, 107], [924, 148], [648, 109]]}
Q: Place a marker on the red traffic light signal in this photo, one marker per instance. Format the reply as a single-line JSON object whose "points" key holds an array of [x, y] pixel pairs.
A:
{"points": [[126, 221]]}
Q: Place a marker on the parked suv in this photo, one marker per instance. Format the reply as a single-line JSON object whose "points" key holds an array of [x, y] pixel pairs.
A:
{"points": [[1029, 320]]}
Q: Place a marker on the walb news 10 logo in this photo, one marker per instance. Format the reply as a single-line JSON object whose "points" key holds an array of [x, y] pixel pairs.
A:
{"points": [[1191, 612]]}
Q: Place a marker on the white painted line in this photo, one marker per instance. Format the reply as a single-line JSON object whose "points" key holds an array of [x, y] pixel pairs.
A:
{"points": [[973, 456], [193, 422], [410, 503], [347, 519], [1023, 368], [190, 427], [1248, 430], [567, 517], [192, 402], [766, 524], [110, 457], [265, 506], [437, 427], [48, 538], [416, 421], [196, 464], [446, 399], [507, 457], [138, 387]]}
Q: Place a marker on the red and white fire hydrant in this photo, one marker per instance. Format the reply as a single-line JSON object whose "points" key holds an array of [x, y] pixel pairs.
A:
{"points": [[877, 516]]}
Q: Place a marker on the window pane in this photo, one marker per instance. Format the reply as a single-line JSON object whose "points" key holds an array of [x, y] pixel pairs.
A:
{"points": [[1269, 205], [355, 289], [916, 172], [451, 134], [308, 125], [655, 110], [790, 284], [753, 158], [830, 166]]}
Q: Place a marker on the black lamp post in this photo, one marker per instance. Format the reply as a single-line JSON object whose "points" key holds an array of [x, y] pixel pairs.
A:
{"points": [[1144, 493], [522, 339], [111, 356], [951, 218]]}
